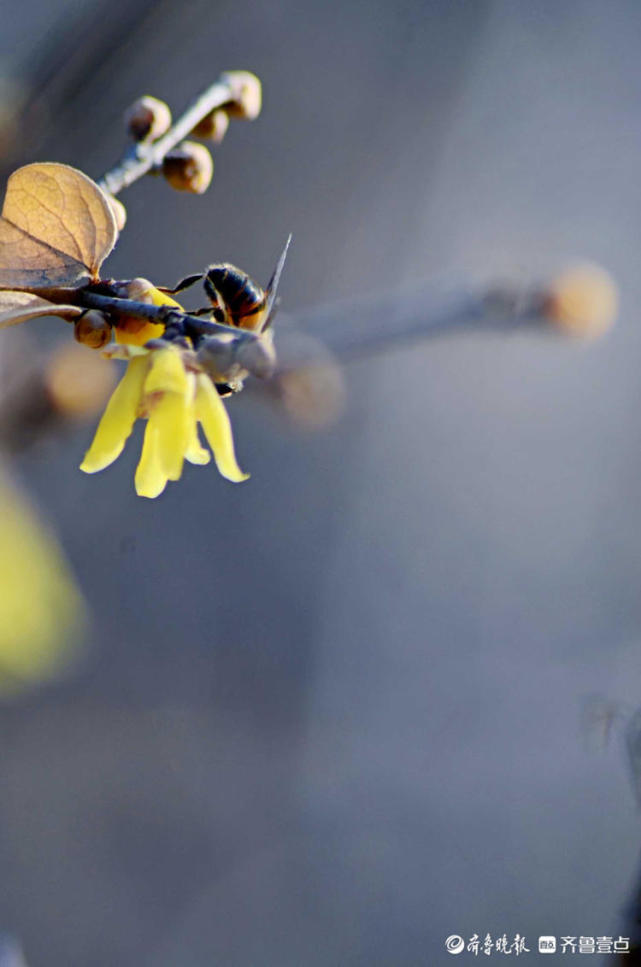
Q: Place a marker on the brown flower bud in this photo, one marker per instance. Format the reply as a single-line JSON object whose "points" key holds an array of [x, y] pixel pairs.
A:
{"points": [[147, 119], [213, 126], [582, 301], [92, 329], [217, 357], [189, 167], [119, 210], [247, 95], [258, 356], [138, 290]]}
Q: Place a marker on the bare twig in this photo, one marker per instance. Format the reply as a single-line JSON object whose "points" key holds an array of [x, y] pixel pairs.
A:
{"points": [[189, 324], [144, 157], [368, 326], [358, 328], [364, 327], [371, 325], [581, 301]]}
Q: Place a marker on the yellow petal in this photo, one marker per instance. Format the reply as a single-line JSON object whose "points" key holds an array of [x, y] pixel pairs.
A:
{"points": [[136, 332], [124, 352], [169, 419], [159, 298], [166, 373], [194, 452], [168, 391], [142, 290], [118, 419], [150, 478], [211, 412], [131, 330]]}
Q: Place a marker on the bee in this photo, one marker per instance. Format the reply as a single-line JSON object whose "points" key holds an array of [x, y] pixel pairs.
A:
{"points": [[235, 299]]}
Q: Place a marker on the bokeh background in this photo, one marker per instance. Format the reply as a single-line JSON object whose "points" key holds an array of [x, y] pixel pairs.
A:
{"points": [[338, 713]]}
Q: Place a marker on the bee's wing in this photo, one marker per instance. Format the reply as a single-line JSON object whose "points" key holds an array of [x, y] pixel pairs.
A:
{"points": [[272, 287]]}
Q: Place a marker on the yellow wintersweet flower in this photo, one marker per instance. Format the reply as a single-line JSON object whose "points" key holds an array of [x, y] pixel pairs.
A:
{"points": [[132, 331], [173, 398], [42, 614]]}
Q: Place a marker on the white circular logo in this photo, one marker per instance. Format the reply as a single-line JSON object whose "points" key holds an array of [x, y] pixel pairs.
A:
{"points": [[454, 944]]}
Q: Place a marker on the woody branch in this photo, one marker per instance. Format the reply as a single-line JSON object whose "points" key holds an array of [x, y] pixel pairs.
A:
{"points": [[580, 302], [228, 92]]}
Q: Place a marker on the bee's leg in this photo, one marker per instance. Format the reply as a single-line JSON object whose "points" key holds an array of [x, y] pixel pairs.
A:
{"points": [[218, 309], [212, 312], [185, 283]]}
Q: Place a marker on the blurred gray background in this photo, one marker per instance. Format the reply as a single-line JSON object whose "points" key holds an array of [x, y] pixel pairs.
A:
{"points": [[332, 716]]}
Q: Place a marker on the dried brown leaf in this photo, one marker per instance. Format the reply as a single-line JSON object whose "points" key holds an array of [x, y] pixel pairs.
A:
{"points": [[56, 229], [18, 307]]}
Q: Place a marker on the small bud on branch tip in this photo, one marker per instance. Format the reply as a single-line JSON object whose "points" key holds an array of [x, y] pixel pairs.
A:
{"points": [[147, 119], [582, 301], [213, 127], [92, 329], [238, 93], [189, 167]]}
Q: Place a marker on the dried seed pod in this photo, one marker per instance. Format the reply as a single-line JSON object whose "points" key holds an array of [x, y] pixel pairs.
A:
{"points": [[247, 95], [92, 329], [189, 167], [147, 119], [582, 301], [119, 210], [213, 126]]}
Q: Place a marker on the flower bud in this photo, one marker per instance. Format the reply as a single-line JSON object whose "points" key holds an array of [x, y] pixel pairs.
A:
{"points": [[189, 167], [582, 301], [119, 210], [147, 119], [217, 357], [213, 126], [92, 329], [247, 95], [133, 329], [138, 290], [258, 356]]}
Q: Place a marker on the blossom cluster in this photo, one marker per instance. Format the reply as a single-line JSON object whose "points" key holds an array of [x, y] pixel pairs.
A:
{"points": [[162, 384]]}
